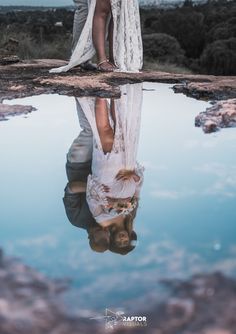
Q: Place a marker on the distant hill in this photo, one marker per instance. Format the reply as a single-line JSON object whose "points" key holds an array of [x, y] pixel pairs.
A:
{"points": [[165, 3], [58, 3], [53, 3], [5, 9]]}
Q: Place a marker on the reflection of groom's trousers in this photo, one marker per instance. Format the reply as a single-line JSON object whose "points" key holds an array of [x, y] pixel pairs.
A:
{"points": [[78, 167], [80, 18], [81, 148]]}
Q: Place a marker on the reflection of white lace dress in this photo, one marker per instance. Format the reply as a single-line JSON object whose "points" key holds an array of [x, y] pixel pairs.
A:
{"points": [[128, 50], [122, 156]]}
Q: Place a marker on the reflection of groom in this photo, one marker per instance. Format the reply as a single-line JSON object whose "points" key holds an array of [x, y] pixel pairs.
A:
{"points": [[80, 18], [78, 167]]}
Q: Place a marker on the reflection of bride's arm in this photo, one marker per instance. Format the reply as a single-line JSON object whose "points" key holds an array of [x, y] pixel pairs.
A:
{"points": [[105, 131], [139, 172], [96, 196]]}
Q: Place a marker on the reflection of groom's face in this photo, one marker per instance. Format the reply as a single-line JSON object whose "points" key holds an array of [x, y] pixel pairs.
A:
{"points": [[99, 239], [102, 234]]}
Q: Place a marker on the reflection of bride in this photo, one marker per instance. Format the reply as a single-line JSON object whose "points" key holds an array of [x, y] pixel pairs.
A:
{"points": [[120, 22], [113, 187]]}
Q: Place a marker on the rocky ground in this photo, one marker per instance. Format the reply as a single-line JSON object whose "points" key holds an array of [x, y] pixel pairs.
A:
{"points": [[30, 303], [23, 79], [221, 115], [13, 110]]}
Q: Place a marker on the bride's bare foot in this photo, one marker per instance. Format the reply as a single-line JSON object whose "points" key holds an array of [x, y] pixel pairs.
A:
{"points": [[105, 66], [112, 62]]}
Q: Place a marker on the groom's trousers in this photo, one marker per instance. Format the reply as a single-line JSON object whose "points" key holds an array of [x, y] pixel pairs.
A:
{"points": [[80, 18]]}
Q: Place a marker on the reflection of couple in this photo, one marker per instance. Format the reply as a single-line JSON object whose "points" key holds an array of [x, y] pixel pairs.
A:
{"points": [[118, 22], [112, 180]]}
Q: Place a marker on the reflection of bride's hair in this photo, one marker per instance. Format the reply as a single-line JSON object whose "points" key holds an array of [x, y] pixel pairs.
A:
{"points": [[129, 228]]}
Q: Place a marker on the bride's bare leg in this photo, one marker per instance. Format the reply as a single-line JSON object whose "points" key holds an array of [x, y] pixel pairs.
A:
{"points": [[102, 11], [105, 131]]}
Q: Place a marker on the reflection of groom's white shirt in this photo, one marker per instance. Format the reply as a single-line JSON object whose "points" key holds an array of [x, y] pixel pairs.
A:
{"points": [[105, 167]]}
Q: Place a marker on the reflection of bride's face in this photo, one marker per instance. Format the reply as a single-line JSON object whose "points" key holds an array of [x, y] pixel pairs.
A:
{"points": [[122, 239]]}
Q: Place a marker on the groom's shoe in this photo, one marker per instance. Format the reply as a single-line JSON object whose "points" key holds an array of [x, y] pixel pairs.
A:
{"points": [[88, 66]]}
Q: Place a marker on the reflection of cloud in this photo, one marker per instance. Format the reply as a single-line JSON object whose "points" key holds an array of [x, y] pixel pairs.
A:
{"points": [[227, 266], [41, 241], [170, 259], [172, 194], [217, 169], [225, 185], [138, 274], [233, 250], [150, 166], [100, 276], [211, 141], [197, 144], [191, 143], [218, 188]]}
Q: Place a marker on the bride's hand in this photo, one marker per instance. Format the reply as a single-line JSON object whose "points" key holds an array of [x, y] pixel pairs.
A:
{"points": [[124, 175], [105, 188]]}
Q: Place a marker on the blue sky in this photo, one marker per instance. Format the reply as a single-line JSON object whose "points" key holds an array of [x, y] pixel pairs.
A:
{"points": [[36, 2]]}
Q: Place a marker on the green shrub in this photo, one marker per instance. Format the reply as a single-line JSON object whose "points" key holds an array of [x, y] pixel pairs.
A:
{"points": [[219, 57], [224, 30], [163, 48]]}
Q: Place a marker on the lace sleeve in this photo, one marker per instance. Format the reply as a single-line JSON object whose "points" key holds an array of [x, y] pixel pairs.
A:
{"points": [[139, 170], [96, 196]]}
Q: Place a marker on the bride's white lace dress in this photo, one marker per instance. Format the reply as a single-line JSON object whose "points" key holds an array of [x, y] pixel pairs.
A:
{"points": [[127, 47], [122, 156]]}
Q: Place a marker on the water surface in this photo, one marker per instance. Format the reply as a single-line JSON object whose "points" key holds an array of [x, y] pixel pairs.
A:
{"points": [[186, 217]]}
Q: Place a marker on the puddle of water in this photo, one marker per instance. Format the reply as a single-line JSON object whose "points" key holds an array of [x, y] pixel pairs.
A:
{"points": [[185, 221]]}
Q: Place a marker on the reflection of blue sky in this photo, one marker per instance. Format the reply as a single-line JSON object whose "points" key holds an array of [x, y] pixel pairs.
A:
{"points": [[186, 220]]}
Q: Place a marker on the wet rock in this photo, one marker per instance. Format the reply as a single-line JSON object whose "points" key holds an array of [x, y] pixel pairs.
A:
{"points": [[1, 257], [13, 110], [221, 115], [203, 304], [179, 311], [8, 59], [209, 88], [217, 331], [33, 78], [30, 303]]}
